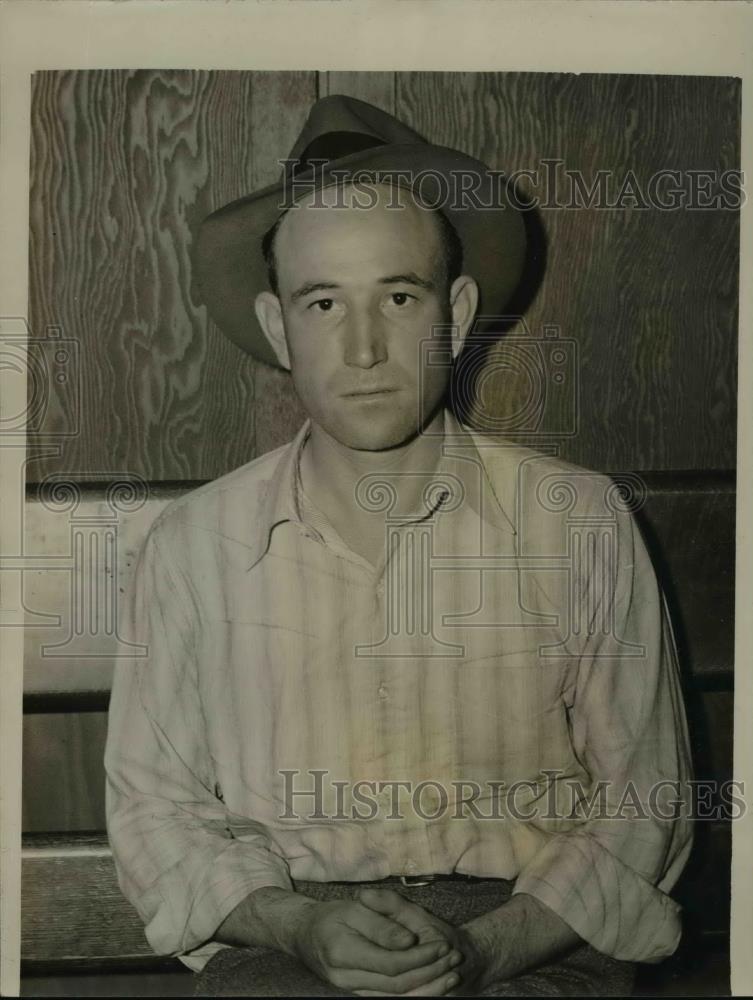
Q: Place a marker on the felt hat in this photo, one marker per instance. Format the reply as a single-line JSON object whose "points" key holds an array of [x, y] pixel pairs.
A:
{"points": [[345, 138]]}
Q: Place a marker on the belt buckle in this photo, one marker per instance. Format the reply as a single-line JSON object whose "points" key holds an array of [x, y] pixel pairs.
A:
{"points": [[416, 880]]}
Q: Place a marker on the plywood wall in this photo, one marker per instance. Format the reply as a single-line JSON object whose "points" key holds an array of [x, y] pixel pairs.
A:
{"points": [[125, 164]]}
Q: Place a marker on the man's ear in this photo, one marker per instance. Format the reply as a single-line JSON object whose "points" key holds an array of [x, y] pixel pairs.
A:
{"points": [[463, 305], [269, 313]]}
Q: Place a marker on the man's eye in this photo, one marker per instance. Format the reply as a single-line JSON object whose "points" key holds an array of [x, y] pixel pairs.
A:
{"points": [[325, 305], [401, 298]]}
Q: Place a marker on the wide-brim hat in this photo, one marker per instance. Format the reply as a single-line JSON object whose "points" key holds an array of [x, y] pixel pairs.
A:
{"points": [[356, 140]]}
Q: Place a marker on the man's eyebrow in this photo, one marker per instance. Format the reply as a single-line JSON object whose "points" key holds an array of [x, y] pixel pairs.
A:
{"points": [[410, 278], [312, 286]]}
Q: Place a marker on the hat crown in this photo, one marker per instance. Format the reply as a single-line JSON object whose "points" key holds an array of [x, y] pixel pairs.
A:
{"points": [[339, 125]]}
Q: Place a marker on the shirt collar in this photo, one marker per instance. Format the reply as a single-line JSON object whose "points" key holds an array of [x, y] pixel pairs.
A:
{"points": [[482, 465], [278, 501], [465, 458]]}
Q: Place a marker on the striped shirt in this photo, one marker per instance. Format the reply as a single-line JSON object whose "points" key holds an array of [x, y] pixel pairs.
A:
{"points": [[499, 696]]}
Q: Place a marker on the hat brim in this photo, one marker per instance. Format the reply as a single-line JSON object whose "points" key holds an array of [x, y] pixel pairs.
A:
{"points": [[231, 270]]}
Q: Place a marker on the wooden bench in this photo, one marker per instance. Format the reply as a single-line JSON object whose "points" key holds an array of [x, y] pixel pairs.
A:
{"points": [[77, 927]]}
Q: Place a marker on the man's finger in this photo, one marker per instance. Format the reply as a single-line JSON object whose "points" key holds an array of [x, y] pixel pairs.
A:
{"points": [[379, 929], [426, 979], [391, 904], [359, 953], [438, 988]]}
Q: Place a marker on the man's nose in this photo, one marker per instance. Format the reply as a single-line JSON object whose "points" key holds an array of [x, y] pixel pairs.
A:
{"points": [[365, 344]]}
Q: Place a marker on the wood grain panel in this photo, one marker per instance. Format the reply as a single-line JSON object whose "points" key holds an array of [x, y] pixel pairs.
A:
{"points": [[704, 887], [63, 771], [374, 88], [711, 722], [648, 296], [690, 534], [124, 166], [277, 411], [72, 907]]}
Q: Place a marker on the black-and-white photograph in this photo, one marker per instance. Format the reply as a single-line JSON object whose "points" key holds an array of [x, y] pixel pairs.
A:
{"points": [[379, 532]]}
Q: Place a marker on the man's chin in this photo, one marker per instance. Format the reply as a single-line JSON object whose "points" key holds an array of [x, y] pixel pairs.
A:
{"points": [[373, 435], [375, 441]]}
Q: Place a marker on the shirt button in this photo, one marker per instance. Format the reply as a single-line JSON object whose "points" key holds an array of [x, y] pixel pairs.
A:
{"points": [[382, 692]]}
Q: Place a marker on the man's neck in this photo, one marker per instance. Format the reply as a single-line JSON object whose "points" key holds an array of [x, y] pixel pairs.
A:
{"points": [[330, 471]]}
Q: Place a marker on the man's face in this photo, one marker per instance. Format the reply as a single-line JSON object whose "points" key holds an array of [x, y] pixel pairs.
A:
{"points": [[360, 289]]}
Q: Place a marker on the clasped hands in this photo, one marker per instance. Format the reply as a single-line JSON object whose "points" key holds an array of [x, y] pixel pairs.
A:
{"points": [[381, 944]]}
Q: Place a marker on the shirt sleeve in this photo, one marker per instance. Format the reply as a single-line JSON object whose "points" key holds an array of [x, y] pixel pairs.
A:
{"points": [[609, 876], [182, 859]]}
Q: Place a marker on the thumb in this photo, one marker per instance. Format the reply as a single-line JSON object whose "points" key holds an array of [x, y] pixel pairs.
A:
{"points": [[392, 904], [385, 901]]}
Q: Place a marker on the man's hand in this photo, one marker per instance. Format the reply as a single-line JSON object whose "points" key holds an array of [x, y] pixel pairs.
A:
{"points": [[428, 929], [344, 942], [519, 935], [362, 949]]}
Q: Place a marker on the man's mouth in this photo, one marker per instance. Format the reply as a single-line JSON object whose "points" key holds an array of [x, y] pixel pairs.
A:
{"points": [[377, 391]]}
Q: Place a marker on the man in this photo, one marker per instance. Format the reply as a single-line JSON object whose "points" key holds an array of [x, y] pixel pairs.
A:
{"points": [[408, 723]]}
